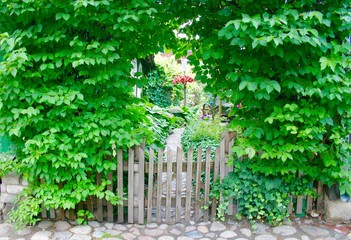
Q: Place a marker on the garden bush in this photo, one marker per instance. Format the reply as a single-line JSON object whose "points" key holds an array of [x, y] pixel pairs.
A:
{"points": [[202, 133], [260, 197]]}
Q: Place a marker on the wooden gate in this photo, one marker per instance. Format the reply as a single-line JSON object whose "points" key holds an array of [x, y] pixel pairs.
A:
{"points": [[166, 186]]}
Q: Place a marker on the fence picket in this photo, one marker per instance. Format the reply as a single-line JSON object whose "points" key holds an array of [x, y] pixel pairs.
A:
{"points": [[109, 205], [180, 157], [207, 183], [169, 186], [222, 168], [141, 185], [120, 185], [100, 216], [189, 178], [150, 186], [159, 185], [131, 186], [197, 185], [215, 176]]}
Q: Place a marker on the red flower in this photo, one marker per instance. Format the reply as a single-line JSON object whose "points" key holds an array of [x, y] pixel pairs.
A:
{"points": [[184, 79]]}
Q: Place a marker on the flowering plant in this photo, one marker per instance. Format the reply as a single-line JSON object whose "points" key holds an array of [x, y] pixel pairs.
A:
{"points": [[184, 79]]}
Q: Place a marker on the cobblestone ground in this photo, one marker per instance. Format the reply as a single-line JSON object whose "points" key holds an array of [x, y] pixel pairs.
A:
{"points": [[298, 229]]}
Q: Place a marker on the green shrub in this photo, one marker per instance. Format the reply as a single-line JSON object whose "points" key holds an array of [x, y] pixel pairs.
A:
{"points": [[202, 133], [259, 196], [157, 91]]}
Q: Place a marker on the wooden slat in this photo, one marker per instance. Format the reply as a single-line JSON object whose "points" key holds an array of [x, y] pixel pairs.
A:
{"points": [[207, 183], [90, 204], [99, 216], [290, 205], [197, 186], [309, 204], [169, 186], [215, 176], [52, 213], [189, 186], [150, 186], [141, 200], [180, 157], [109, 205], [131, 186], [222, 166], [231, 209], [120, 185], [299, 205], [320, 197], [44, 213], [159, 186]]}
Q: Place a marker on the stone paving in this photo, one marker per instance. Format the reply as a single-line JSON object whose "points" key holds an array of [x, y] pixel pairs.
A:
{"points": [[298, 229]]}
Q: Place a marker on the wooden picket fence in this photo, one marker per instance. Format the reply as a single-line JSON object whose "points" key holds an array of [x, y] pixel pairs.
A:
{"points": [[167, 186]]}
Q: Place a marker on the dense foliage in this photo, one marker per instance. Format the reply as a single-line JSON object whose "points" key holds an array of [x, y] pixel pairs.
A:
{"points": [[157, 90], [202, 133], [259, 196], [288, 64], [66, 92]]}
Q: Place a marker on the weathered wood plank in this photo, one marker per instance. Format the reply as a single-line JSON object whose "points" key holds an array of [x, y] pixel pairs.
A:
{"points": [[320, 197], [109, 205], [189, 186], [207, 183], [197, 185], [131, 186], [222, 166], [180, 157], [141, 193], [215, 176], [159, 186], [150, 186], [169, 186], [100, 216], [309, 204], [299, 205], [120, 185], [290, 206]]}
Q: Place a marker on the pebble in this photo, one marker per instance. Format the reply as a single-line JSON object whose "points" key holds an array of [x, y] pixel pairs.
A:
{"points": [[228, 234], [217, 226], [81, 230], [265, 237], [314, 231], [42, 235], [45, 224], [62, 226], [4, 229], [24, 232], [284, 230], [246, 232], [80, 237], [194, 234], [65, 235], [202, 229]]}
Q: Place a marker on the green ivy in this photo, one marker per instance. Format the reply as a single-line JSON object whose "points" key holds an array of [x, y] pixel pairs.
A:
{"points": [[202, 134], [157, 90], [260, 197]]}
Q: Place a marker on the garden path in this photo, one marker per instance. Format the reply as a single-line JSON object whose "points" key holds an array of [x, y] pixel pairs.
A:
{"points": [[174, 140]]}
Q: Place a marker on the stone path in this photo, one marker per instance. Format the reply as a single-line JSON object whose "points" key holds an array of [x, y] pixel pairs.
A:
{"points": [[299, 229], [174, 140]]}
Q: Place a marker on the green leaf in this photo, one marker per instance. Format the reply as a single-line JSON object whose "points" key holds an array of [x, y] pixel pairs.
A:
{"points": [[276, 86]]}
